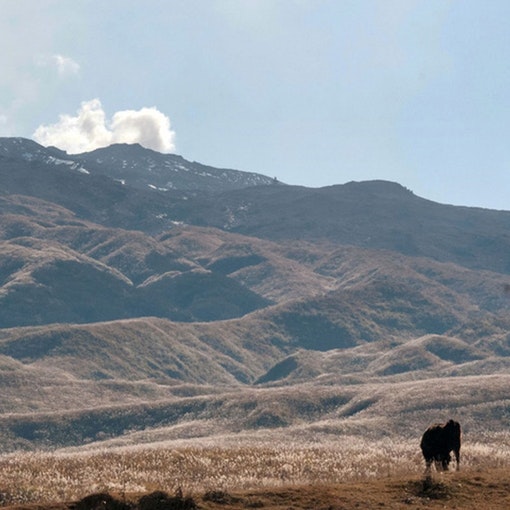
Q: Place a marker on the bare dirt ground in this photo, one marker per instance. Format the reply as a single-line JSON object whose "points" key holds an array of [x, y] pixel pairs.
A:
{"points": [[465, 490]]}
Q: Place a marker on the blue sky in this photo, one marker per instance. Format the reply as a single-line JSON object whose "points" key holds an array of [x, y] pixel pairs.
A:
{"points": [[314, 92]]}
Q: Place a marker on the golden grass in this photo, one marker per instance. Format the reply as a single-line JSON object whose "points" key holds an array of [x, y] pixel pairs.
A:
{"points": [[60, 476]]}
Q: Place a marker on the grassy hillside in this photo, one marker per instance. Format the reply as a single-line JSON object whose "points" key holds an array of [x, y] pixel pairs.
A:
{"points": [[118, 413], [132, 316], [340, 475], [56, 268]]}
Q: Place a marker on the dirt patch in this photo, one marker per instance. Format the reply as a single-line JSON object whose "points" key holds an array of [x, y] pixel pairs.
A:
{"points": [[465, 490]]}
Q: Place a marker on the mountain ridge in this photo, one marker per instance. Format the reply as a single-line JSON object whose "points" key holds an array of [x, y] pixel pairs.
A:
{"points": [[136, 166]]}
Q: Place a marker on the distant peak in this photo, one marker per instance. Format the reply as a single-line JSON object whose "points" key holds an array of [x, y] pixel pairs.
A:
{"points": [[379, 186], [18, 141], [124, 147]]}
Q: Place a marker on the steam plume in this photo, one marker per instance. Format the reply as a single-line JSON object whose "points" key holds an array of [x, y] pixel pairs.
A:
{"points": [[89, 129]]}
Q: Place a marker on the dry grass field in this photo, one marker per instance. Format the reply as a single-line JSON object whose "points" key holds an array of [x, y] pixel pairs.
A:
{"points": [[342, 474]]}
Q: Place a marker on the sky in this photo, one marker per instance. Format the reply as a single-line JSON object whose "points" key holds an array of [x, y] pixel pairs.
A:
{"points": [[313, 92]]}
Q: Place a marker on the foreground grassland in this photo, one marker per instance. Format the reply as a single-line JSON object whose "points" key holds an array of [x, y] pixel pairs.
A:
{"points": [[349, 473]]}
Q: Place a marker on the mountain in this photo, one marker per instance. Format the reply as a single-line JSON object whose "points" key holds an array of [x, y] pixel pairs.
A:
{"points": [[375, 214], [144, 191], [135, 166], [143, 168], [142, 292]]}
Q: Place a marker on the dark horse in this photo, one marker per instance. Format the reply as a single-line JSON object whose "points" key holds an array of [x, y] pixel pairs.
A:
{"points": [[437, 443]]}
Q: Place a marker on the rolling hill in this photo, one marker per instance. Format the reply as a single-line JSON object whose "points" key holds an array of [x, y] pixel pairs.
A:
{"points": [[142, 294]]}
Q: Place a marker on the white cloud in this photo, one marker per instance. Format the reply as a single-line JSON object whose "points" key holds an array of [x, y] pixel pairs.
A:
{"points": [[148, 127], [66, 66], [89, 129]]}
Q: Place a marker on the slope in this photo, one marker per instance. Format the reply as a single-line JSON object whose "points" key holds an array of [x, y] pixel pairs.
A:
{"points": [[375, 214]]}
